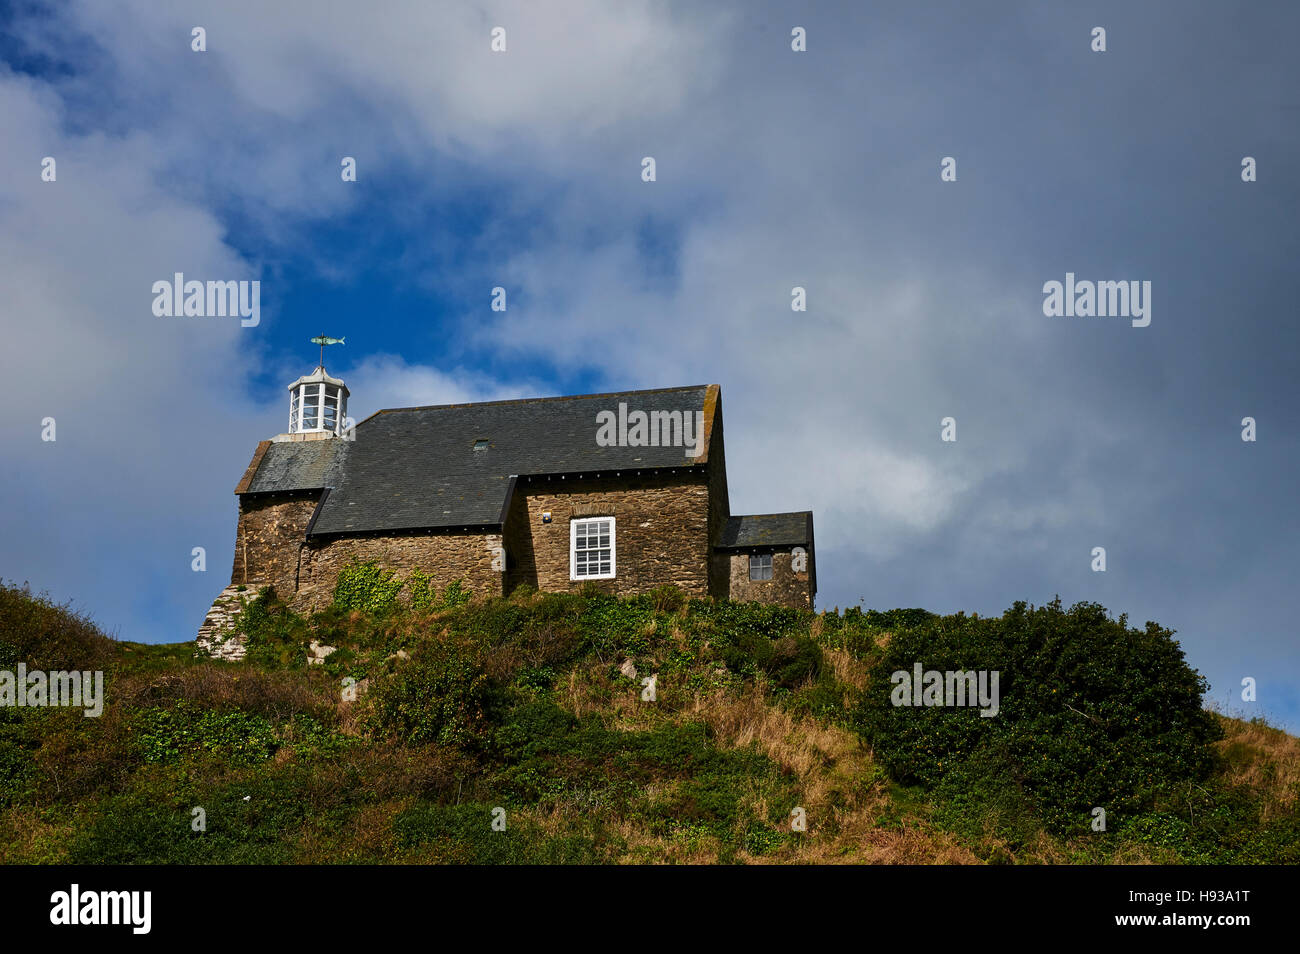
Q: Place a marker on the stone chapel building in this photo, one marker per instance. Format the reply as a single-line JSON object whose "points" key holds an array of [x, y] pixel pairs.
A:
{"points": [[626, 490]]}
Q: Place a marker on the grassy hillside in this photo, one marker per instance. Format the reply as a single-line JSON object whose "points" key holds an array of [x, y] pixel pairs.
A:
{"points": [[466, 706]]}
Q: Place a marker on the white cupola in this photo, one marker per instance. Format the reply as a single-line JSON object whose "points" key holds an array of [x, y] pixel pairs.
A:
{"points": [[318, 405]]}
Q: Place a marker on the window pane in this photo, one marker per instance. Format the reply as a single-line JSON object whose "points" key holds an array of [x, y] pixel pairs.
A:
{"points": [[593, 552]]}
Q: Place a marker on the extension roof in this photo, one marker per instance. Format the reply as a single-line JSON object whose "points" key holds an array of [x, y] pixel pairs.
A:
{"points": [[754, 531], [417, 468]]}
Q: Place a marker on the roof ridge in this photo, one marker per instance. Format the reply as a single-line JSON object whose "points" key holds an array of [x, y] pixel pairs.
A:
{"points": [[531, 400]]}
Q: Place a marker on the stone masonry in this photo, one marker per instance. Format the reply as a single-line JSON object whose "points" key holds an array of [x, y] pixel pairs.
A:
{"points": [[786, 587], [661, 532], [272, 529], [444, 557]]}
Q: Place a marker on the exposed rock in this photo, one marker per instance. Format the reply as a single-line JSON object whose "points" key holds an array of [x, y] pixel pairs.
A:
{"points": [[628, 669], [217, 637], [317, 653]]}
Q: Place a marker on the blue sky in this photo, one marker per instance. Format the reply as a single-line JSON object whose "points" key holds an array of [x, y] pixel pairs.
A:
{"points": [[774, 169]]}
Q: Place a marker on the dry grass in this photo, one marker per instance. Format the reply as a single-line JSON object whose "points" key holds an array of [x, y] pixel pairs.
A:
{"points": [[861, 840], [847, 668], [839, 788], [276, 695], [799, 745], [590, 690], [1263, 759], [28, 838], [641, 845]]}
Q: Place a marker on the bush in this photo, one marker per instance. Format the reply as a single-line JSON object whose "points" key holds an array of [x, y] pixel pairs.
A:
{"points": [[667, 599], [891, 619], [788, 661], [45, 635], [16, 779], [441, 695], [276, 636], [1092, 712], [185, 731]]}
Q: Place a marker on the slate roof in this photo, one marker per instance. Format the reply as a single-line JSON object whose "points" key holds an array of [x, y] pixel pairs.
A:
{"points": [[767, 530], [416, 468], [310, 465]]}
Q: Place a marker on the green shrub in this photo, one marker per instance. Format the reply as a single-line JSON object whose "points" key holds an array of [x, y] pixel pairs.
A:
{"points": [[16, 777], [276, 637], [667, 599], [788, 661], [47, 635], [249, 821], [185, 731], [442, 694], [1092, 712], [891, 619], [137, 829]]}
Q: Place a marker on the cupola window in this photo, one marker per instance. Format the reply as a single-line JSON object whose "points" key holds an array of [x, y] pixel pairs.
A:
{"points": [[318, 404]]}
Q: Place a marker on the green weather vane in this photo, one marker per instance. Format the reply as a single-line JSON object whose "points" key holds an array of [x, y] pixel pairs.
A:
{"points": [[323, 341]]}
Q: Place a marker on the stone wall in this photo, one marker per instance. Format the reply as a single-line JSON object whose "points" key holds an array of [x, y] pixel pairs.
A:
{"points": [[661, 533], [445, 557], [272, 528], [786, 587]]}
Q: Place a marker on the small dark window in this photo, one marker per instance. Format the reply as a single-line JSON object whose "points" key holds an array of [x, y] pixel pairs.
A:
{"points": [[481, 444], [760, 567]]}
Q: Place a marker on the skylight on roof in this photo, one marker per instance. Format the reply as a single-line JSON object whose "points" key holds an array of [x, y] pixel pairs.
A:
{"points": [[481, 444]]}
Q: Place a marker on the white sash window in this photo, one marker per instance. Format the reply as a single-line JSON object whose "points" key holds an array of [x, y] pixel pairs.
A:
{"points": [[591, 548]]}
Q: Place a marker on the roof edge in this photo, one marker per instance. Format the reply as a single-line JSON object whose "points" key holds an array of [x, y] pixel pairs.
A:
{"points": [[510, 496], [406, 531], [712, 398], [247, 480], [558, 397], [808, 531]]}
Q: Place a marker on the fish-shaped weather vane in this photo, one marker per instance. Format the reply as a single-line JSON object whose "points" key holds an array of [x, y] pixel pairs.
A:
{"points": [[323, 341]]}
